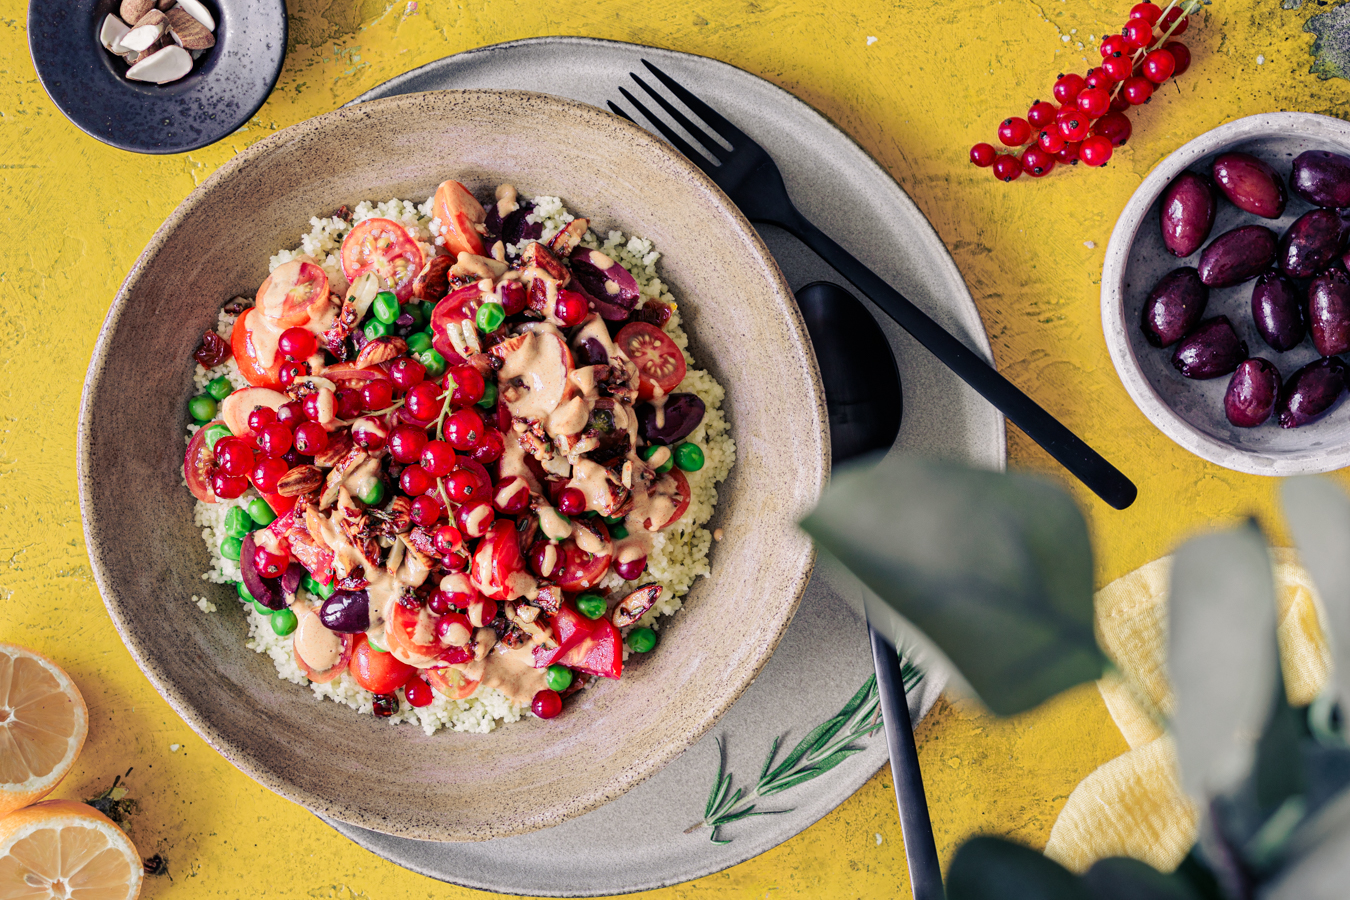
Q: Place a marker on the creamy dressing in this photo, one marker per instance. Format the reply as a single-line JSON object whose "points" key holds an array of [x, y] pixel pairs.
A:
{"points": [[534, 375], [315, 644], [265, 329]]}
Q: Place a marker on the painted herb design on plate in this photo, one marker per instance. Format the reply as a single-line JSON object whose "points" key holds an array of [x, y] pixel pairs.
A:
{"points": [[827, 745]]}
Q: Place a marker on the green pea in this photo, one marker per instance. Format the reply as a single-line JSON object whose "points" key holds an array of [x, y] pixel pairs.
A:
{"points": [[650, 451], [264, 610], [490, 317], [372, 493], [433, 361], [284, 622], [386, 308], [558, 677], [419, 342], [261, 512], [618, 532], [319, 590], [418, 313], [202, 407], [231, 547], [641, 640], [377, 329], [220, 388], [242, 590], [612, 520], [592, 606], [427, 308], [215, 433], [689, 457], [237, 523], [489, 395]]}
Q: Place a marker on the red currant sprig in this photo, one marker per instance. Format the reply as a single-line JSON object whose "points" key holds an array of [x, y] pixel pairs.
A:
{"points": [[1090, 122]]}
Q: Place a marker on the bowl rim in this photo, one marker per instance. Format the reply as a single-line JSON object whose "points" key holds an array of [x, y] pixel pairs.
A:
{"points": [[1115, 328], [628, 776]]}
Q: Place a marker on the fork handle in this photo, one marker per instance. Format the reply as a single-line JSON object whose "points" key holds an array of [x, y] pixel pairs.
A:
{"points": [[1086, 464]]}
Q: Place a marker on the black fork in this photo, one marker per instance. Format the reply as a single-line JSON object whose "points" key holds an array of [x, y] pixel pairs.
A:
{"points": [[751, 179]]}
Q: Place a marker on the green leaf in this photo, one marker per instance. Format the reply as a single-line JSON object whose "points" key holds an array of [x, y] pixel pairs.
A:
{"points": [[989, 868], [1331, 47], [996, 569], [719, 786], [1221, 656], [1318, 512], [1120, 878], [768, 760], [814, 738], [857, 699]]}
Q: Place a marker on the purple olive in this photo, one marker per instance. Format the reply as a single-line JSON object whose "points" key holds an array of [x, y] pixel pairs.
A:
{"points": [[346, 612], [291, 578], [1252, 393], [1188, 207], [1211, 350], [1312, 243], [266, 591], [1329, 312], [1174, 306], [680, 416], [610, 312], [1322, 177], [604, 279], [1277, 308], [513, 228], [1311, 392], [1251, 184], [1237, 256], [591, 352]]}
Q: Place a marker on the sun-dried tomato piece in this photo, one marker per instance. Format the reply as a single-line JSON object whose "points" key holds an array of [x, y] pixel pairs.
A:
{"points": [[212, 351]]}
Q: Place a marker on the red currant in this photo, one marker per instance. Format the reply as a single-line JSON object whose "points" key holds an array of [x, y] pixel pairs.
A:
{"points": [[514, 297], [1074, 127], [310, 438], [1114, 126], [1149, 12], [349, 404], [291, 458], [1068, 155], [1007, 168], [463, 429], [1097, 78], [462, 486], [468, 386], [426, 510], [424, 401], [1120, 103], [1036, 162], [1068, 86], [291, 414], [474, 518], [313, 406], [260, 418], [227, 487], [233, 456], [489, 448], [407, 372], [1014, 131], [1181, 54], [570, 308], [1113, 46], [1158, 66], [448, 540], [1041, 114], [572, 502], [1095, 151], [1051, 141], [1094, 102], [1118, 67], [416, 481], [275, 439], [1137, 34], [546, 704], [438, 458], [269, 564], [1175, 16], [512, 495], [418, 693], [297, 344], [369, 432], [983, 155], [377, 395], [406, 443], [1137, 89], [291, 371], [268, 472], [632, 569]]}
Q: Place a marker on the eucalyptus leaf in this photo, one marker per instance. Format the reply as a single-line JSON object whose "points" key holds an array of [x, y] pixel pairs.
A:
{"points": [[1121, 878], [989, 868], [1318, 512], [994, 568], [1221, 656]]}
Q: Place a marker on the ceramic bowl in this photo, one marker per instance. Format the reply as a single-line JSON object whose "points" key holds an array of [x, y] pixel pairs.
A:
{"points": [[223, 90], [147, 555], [1191, 412]]}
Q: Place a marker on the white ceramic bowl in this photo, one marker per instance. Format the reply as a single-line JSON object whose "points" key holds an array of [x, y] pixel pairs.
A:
{"points": [[1191, 412]]}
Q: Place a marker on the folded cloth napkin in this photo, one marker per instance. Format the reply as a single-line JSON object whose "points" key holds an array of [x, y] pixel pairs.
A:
{"points": [[1133, 805]]}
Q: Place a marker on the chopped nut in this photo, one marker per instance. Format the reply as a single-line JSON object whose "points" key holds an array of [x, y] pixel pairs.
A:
{"points": [[300, 481], [188, 32], [433, 282], [146, 32], [110, 35], [381, 350], [635, 605], [150, 51], [168, 64], [198, 11], [133, 10], [565, 241]]}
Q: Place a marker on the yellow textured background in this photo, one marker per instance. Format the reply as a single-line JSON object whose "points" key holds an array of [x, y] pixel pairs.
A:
{"points": [[938, 78]]}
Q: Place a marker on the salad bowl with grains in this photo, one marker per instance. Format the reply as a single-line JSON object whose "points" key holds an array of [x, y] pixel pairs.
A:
{"points": [[525, 448]]}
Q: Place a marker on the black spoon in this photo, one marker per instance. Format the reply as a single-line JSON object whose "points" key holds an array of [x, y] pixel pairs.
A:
{"points": [[862, 394]]}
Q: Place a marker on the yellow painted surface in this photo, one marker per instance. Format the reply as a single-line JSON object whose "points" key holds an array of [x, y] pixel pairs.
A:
{"points": [[939, 77]]}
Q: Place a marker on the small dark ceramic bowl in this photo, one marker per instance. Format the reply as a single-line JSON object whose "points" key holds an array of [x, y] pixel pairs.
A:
{"points": [[225, 87]]}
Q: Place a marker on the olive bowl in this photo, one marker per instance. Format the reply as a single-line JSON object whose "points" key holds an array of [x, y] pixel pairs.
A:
{"points": [[1191, 412], [148, 556]]}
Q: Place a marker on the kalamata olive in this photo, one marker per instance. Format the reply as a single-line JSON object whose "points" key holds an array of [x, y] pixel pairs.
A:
{"points": [[1252, 393], [291, 578], [1311, 392], [681, 416], [266, 591], [1238, 255], [1329, 312], [1188, 207], [590, 352], [1277, 308], [1211, 350], [1312, 243], [603, 278], [1174, 306], [1322, 177], [346, 612], [1251, 184]]}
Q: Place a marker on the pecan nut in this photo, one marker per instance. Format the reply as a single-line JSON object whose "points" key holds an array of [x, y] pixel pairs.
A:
{"points": [[635, 605], [433, 282], [567, 240], [381, 350], [300, 481]]}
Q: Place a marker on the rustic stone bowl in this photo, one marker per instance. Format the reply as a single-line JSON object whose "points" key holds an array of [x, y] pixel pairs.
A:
{"points": [[147, 555], [1191, 412]]}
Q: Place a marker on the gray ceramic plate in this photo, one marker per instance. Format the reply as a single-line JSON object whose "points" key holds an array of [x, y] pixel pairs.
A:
{"points": [[1191, 412], [638, 842]]}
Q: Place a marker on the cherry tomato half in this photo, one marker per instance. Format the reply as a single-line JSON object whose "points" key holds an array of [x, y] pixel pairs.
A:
{"points": [[295, 294], [197, 465], [451, 683], [244, 345], [459, 213], [497, 561], [456, 308], [379, 673], [384, 247], [660, 363], [401, 631]]}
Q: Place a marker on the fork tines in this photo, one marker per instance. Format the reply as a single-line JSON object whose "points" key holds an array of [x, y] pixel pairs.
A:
{"points": [[719, 125]]}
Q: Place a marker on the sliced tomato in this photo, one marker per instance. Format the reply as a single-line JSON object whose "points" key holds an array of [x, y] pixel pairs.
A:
{"points": [[400, 629], [592, 646], [296, 293], [244, 345], [452, 683], [574, 570], [197, 463], [384, 247], [682, 496], [459, 214], [235, 408], [497, 562], [315, 557], [280, 505], [660, 363], [308, 621], [456, 308], [379, 673]]}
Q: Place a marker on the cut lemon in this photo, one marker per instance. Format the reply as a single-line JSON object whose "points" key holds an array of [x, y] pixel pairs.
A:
{"points": [[63, 850], [43, 723]]}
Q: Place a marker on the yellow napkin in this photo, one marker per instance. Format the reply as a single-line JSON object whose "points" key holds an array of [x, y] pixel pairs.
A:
{"points": [[1133, 805]]}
